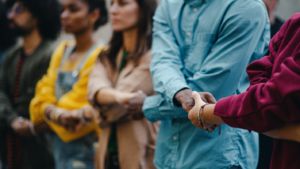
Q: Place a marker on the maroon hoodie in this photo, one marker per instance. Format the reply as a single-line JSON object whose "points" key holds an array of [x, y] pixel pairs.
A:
{"points": [[273, 98]]}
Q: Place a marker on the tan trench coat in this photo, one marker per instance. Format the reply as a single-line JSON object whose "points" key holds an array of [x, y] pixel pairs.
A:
{"points": [[136, 138]]}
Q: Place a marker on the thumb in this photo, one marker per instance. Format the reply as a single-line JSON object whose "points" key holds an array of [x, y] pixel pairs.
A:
{"points": [[198, 100], [197, 105]]}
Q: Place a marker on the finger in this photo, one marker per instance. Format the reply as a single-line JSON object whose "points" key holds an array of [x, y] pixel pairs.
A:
{"points": [[197, 104], [198, 100], [209, 97]]}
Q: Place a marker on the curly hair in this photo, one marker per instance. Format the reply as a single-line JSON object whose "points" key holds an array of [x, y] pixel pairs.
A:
{"points": [[47, 13]]}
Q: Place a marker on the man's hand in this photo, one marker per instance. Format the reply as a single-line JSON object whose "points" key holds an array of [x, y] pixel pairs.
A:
{"points": [[21, 126], [185, 98]]}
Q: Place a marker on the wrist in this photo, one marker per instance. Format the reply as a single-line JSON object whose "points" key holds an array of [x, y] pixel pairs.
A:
{"points": [[53, 114], [180, 96], [209, 116]]}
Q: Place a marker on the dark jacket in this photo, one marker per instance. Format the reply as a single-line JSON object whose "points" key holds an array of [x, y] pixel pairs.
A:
{"points": [[34, 154]]}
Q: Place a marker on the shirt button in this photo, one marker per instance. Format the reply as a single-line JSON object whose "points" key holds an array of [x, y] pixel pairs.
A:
{"points": [[189, 34], [175, 138], [195, 10]]}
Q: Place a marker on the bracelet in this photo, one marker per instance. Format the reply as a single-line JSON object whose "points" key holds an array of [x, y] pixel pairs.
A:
{"points": [[199, 115]]}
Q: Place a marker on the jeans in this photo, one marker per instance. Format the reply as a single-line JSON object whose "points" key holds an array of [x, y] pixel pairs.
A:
{"points": [[77, 154]]}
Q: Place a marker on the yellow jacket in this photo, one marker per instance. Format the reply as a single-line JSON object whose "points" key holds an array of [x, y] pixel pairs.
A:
{"points": [[74, 99]]}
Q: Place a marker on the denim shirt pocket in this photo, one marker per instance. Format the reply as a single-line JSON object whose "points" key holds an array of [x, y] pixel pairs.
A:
{"points": [[199, 50]]}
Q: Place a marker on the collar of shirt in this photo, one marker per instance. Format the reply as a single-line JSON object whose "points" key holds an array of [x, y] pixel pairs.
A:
{"points": [[195, 3]]}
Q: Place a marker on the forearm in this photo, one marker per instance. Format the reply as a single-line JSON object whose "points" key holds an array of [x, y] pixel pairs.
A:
{"points": [[108, 96], [289, 132]]}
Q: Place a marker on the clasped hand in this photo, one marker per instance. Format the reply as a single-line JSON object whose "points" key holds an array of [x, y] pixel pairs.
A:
{"points": [[197, 115], [133, 102], [194, 103], [73, 120]]}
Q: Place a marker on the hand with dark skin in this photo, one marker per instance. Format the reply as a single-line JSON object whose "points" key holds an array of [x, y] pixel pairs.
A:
{"points": [[185, 99]]}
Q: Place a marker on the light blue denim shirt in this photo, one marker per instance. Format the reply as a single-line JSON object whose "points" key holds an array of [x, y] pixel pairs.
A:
{"points": [[204, 45]]}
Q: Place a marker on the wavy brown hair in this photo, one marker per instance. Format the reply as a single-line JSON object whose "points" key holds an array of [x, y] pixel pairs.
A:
{"points": [[144, 37]]}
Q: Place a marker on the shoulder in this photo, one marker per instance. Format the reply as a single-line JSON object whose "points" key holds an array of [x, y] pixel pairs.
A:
{"points": [[247, 9], [10, 54], [169, 7]]}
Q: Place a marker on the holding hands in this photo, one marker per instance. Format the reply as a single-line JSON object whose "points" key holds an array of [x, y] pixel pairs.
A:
{"points": [[72, 120], [133, 102], [200, 107], [196, 114]]}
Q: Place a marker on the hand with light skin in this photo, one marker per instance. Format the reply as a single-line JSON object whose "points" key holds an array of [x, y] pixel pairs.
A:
{"points": [[135, 105], [66, 118], [123, 97], [84, 116], [21, 126], [208, 120]]}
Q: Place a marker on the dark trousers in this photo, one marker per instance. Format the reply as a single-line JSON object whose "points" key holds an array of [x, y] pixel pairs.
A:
{"points": [[265, 152]]}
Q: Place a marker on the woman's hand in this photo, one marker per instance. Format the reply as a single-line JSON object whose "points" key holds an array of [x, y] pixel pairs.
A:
{"points": [[69, 119], [135, 105], [202, 114]]}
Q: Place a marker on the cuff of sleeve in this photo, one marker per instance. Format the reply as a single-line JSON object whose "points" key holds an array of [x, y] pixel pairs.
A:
{"points": [[172, 88], [156, 108], [151, 108], [222, 110]]}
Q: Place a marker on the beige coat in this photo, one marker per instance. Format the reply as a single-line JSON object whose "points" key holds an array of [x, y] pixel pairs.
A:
{"points": [[136, 138]]}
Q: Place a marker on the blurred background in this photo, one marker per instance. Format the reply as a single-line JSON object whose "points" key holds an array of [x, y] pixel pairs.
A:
{"points": [[287, 7]]}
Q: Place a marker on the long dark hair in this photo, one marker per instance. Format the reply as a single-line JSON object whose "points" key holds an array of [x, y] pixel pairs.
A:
{"points": [[144, 37]]}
